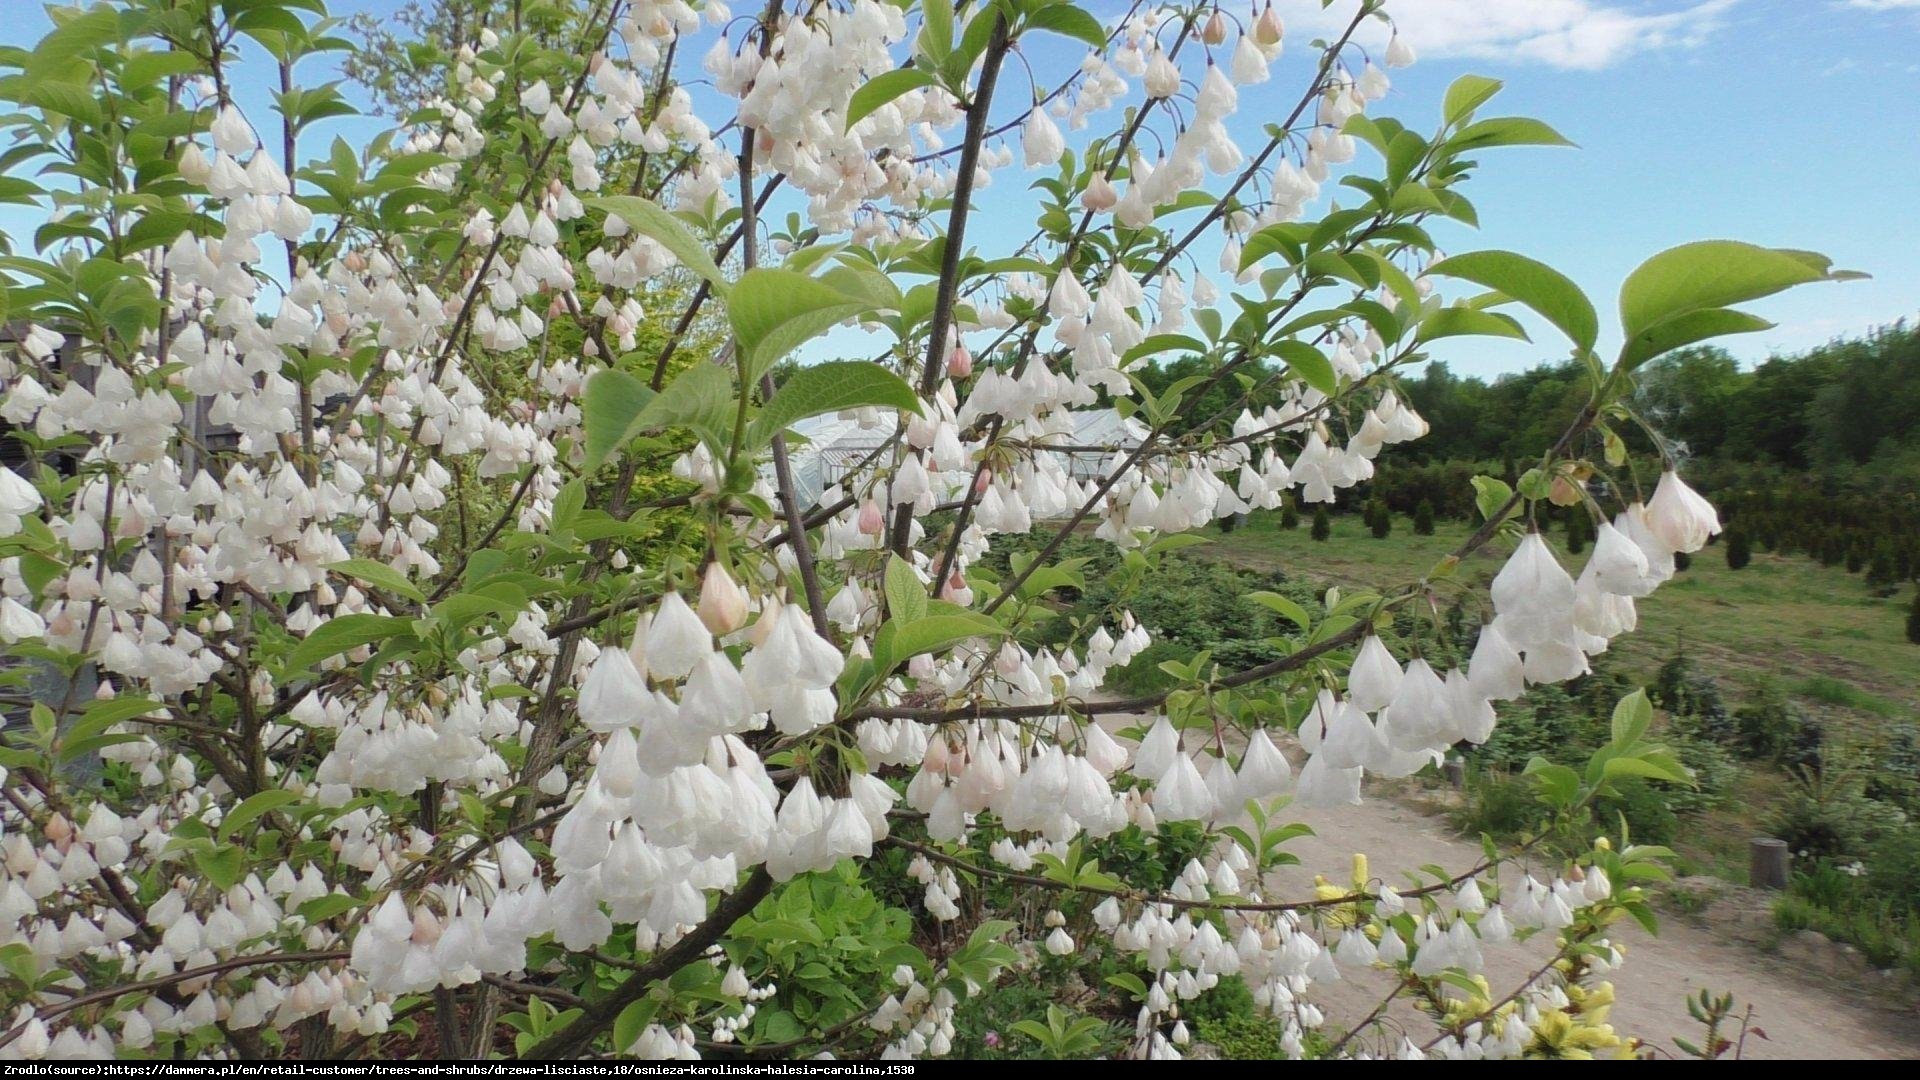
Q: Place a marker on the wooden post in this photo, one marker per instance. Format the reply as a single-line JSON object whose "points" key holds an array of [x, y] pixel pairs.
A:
{"points": [[1770, 863], [1455, 770]]}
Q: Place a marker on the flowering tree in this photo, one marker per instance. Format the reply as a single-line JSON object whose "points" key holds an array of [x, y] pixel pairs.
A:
{"points": [[362, 709]]}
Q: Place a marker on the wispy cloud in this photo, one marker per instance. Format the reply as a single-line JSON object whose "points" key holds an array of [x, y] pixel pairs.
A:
{"points": [[1884, 5], [1584, 35]]}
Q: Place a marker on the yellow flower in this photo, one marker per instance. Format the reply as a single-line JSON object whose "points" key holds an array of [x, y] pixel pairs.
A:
{"points": [[1340, 916], [1561, 1035], [1592, 1003]]}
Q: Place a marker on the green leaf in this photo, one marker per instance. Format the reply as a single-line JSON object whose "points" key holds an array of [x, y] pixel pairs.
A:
{"points": [[1505, 131], [774, 311], [830, 387], [648, 218], [1559, 785], [1291, 611], [1631, 717], [340, 634], [1490, 494], [607, 410], [906, 596], [936, 30], [631, 1022], [1160, 344], [1709, 274], [380, 576], [223, 865], [253, 807], [1310, 365], [1533, 283], [882, 89], [1655, 766], [699, 398], [1467, 93], [1071, 21], [1469, 322], [1685, 330], [321, 908], [935, 632]]}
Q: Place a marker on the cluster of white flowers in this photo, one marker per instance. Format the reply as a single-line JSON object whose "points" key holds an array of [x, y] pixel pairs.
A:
{"points": [[261, 467]]}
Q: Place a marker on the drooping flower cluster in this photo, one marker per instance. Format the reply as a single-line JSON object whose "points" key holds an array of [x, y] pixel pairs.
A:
{"points": [[315, 544]]}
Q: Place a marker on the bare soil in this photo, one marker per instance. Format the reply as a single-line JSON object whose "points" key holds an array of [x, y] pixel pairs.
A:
{"points": [[1809, 998]]}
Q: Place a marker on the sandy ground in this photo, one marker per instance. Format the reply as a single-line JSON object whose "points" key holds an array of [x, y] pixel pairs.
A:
{"points": [[1803, 1013]]}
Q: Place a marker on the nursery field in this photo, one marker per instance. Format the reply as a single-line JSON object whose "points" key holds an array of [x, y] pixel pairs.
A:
{"points": [[1815, 633]]}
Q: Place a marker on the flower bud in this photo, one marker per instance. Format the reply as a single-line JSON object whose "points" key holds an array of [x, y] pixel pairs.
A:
{"points": [[723, 603], [1267, 29], [1215, 31], [871, 521], [959, 362], [1099, 196]]}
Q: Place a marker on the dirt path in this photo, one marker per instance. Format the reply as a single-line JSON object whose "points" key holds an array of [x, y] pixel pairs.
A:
{"points": [[1802, 1014]]}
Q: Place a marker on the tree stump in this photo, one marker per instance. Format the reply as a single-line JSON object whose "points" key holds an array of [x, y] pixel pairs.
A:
{"points": [[1770, 863]]}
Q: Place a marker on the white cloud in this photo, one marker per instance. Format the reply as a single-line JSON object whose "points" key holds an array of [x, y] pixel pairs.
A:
{"points": [[1576, 34]]}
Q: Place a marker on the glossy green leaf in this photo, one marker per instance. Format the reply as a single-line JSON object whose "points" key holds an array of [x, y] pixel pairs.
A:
{"points": [[830, 387], [882, 89], [774, 311], [648, 218], [1533, 283], [380, 576], [340, 634], [608, 407]]}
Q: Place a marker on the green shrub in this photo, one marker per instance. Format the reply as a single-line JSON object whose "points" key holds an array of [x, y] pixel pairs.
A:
{"points": [[1380, 519], [1880, 566], [1242, 1038], [1893, 866], [1497, 804], [1829, 815], [984, 1023], [1645, 806], [1913, 619], [1423, 518], [1289, 515], [1739, 549], [1322, 523], [1143, 675]]}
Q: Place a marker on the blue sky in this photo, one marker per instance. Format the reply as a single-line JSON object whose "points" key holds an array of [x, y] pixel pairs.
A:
{"points": [[1785, 122]]}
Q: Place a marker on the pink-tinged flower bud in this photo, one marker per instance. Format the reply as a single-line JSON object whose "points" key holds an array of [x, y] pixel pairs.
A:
{"points": [[871, 521], [937, 760], [1215, 31], [723, 603], [1267, 29], [956, 590], [982, 481], [426, 928], [959, 362], [1099, 196]]}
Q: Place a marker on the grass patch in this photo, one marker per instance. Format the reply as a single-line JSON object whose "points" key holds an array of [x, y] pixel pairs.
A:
{"points": [[1782, 618], [1831, 691]]}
